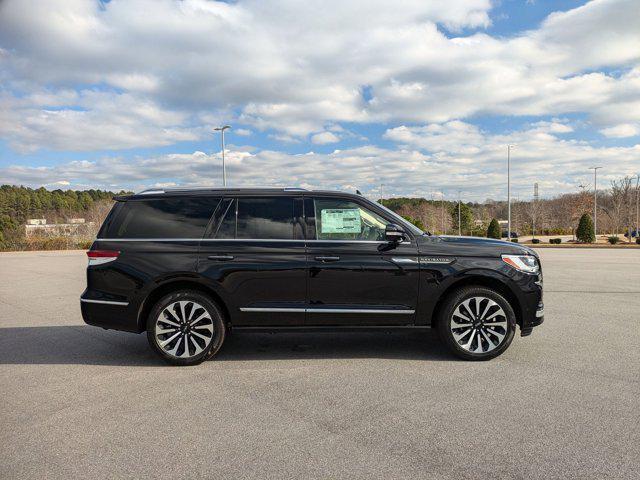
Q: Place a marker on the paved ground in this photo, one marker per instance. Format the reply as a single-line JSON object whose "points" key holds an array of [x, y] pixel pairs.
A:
{"points": [[80, 402]]}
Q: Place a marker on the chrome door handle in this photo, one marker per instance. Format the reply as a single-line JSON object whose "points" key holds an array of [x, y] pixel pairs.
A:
{"points": [[327, 259], [220, 258]]}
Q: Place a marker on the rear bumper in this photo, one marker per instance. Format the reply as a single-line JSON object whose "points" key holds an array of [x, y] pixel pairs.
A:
{"points": [[110, 314]]}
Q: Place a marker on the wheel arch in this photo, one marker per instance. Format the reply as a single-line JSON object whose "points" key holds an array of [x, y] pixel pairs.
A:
{"points": [[482, 280], [171, 286]]}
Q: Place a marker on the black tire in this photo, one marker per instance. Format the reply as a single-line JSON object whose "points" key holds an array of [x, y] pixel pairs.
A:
{"points": [[482, 336], [186, 332]]}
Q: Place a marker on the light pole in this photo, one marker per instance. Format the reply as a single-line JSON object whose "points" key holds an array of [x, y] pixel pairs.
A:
{"points": [[509, 192], [637, 205], [535, 209], [224, 169], [595, 202], [442, 208], [459, 216]]}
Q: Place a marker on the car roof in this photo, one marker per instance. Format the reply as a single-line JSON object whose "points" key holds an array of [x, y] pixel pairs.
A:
{"points": [[197, 191]]}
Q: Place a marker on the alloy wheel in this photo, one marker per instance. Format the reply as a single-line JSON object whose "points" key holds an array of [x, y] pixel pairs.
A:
{"points": [[479, 325], [184, 329]]}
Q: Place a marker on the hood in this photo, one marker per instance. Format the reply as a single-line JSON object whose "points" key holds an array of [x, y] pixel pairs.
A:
{"points": [[470, 246]]}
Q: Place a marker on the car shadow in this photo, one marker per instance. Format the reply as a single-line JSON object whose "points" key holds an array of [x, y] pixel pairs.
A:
{"points": [[85, 345], [404, 345]]}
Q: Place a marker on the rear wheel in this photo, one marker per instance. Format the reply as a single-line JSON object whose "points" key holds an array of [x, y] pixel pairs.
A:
{"points": [[185, 328], [477, 323]]}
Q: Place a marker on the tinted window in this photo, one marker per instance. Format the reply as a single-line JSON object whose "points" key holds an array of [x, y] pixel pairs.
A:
{"points": [[341, 219], [227, 227], [163, 218], [258, 218]]}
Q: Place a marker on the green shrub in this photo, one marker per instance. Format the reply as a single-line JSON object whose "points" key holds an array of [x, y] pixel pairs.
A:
{"points": [[514, 240], [638, 240], [535, 240], [555, 241], [494, 229], [585, 233], [613, 239]]}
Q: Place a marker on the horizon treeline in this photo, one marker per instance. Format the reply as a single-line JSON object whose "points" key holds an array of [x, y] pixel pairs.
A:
{"points": [[21, 203]]}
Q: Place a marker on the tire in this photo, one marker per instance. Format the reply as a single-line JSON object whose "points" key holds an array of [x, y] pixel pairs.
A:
{"points": [[476, 323], [203, 331]]}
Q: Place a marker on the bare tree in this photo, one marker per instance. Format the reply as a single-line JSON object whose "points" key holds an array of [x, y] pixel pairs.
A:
{"points": [[534, 211], [619, 205]]}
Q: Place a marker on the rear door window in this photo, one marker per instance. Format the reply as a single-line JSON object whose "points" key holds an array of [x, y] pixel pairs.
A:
{"points": [[164, 218], [258, 219]]}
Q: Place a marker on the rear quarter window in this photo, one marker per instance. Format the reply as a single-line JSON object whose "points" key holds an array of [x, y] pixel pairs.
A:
{"points": [[163, 218]]}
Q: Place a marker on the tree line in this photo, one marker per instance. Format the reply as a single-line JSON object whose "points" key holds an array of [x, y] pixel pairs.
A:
{"points": [[17, 204], [558, 215]]}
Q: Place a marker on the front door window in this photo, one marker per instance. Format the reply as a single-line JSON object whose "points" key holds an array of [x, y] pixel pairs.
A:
{"points": [[341, 219]]}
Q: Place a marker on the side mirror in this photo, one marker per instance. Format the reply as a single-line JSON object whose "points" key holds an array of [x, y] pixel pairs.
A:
{"points": [[394, 233]]}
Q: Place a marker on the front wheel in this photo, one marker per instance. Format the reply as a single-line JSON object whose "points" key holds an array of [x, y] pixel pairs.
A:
{"points": [[185, 328], [477, 323]]}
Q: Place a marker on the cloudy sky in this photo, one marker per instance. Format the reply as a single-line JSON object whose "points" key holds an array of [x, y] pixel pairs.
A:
{"points": [[422, 96]]}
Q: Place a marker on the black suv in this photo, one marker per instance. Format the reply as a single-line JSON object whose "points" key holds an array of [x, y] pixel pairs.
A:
{"points": [[190, 266]]}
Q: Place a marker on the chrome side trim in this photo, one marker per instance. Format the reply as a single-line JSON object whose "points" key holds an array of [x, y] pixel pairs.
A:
{"points": [[403, 260], [326, 310], [359, 310], [104, 302], [282, 310], [148, 239]]}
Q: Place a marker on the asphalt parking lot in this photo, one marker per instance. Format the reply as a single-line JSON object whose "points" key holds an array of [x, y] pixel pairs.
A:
{"points": [[81, 402]]}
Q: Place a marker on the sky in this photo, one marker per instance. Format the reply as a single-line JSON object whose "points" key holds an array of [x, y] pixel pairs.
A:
{"points": [[411, 98]]}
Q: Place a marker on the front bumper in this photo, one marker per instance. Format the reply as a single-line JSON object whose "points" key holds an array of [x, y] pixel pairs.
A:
{"points": [[527, 326]]}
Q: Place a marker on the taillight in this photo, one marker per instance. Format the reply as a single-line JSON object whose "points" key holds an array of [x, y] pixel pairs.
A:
{"points": [[98, 257]]}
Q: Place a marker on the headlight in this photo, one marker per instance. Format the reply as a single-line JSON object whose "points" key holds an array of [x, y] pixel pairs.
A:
{"points": [[524, 263]]}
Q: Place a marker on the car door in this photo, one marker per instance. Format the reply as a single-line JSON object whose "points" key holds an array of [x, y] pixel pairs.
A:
{"points": [[254, 254], [357, 277]]}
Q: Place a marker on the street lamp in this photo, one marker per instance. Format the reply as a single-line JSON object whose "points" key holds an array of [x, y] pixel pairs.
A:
{"points": [[509, 191], [444, 231], [459, 216], [637, 205], [224, 170], [595, 202]]}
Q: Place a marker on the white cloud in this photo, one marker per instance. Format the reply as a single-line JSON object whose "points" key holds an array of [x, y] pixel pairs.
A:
{"points": [[431, 158], [83, 76], [295, 67], [621, 131], [324, 138], [90, 120]]}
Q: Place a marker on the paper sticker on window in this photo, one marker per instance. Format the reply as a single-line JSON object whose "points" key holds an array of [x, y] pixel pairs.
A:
{"points": [[340, 220]]}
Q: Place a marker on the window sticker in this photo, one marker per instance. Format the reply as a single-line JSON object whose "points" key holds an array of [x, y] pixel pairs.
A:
{"points": [[340, 220]]}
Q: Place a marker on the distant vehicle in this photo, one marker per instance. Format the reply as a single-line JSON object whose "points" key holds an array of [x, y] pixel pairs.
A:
{"points": [[513, 234], [634, 233], [189, 266]]}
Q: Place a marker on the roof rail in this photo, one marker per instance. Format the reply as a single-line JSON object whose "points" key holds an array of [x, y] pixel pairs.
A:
{"points": [[155, 191], [150, 192]]}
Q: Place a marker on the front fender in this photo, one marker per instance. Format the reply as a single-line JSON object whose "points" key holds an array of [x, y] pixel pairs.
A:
{"points": [[438, 281]]}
